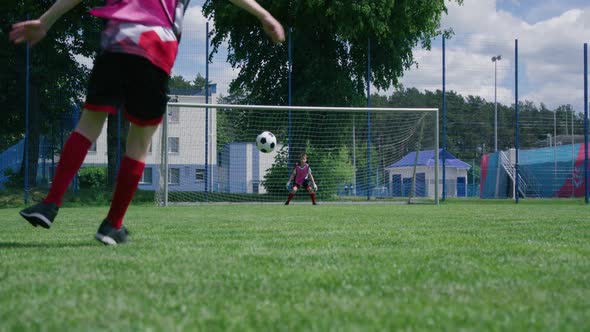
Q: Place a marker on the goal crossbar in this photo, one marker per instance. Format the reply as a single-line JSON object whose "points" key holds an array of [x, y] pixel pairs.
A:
{"points": [[302, 108]]}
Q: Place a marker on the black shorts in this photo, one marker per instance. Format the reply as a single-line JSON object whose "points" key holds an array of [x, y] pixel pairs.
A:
{"points": [[129, 81]]}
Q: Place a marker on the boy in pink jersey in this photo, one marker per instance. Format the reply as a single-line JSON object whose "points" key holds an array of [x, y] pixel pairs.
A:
{"points": [[139, 47], [301, 177]]}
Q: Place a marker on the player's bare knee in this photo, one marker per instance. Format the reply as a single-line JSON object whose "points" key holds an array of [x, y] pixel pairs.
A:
{"points": [[90, 124]]}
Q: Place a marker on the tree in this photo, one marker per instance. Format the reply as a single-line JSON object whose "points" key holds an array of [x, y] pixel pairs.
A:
{"points": [[57, 79], [330, 53], [178, 82], [200, 82], [330, 41]]}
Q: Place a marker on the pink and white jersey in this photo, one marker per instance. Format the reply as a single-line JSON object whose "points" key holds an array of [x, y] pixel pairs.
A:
{"points": [[147, 28], [301, 173]]}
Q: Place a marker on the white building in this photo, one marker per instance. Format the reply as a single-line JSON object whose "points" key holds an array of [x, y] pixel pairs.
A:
{"points": [[402, 171], [186, 149], [242, 171], [242, 168]]}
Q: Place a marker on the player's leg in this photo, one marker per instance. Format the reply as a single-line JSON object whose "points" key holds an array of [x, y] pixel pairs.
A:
{"points": [[102, 98], [111, 231], [292, 193], [74, 152], [71, 158], [311, 194], [132, 165], [145, 107]]}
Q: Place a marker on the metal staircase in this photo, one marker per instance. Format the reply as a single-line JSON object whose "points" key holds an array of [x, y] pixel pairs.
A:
{"points": [[526, 184]]}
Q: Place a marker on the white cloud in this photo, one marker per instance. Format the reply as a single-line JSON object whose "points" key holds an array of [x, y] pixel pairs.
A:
{"points": [[191, 56], [550, 55], [193, 27]]}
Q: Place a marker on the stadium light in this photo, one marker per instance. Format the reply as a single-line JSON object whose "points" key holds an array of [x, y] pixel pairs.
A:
{"points": [[495, 60]]}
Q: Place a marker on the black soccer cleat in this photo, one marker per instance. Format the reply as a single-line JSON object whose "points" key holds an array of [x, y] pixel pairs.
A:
{"points": [[41, 214], [110, 236]]}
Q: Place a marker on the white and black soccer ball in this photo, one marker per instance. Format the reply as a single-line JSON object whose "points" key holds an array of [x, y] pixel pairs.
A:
{"points": [[266, 142]]}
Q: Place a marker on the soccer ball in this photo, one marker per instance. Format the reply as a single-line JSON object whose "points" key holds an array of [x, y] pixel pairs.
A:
{"points": [[266, 141]]}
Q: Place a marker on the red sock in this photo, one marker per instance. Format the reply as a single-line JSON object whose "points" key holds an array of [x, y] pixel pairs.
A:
{"points": [[71, 158], [312, 194], [291, 195], [127, 181]]}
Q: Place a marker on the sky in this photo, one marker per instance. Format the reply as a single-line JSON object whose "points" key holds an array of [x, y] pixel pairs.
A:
{"points": [[550, 34]]}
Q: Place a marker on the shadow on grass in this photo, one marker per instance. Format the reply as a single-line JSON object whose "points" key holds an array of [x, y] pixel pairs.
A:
{"points": [[16, 245]]}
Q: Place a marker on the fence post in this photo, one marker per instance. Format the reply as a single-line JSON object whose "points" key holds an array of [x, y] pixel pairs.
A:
{"points": [[368, 118], [75, 118], [516, 140], [207, 112], [586, 122], [27, 107], [444, 120], [290, 96]]}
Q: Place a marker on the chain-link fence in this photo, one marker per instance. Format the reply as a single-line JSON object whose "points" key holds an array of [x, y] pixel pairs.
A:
{"points": [[475, 92]]}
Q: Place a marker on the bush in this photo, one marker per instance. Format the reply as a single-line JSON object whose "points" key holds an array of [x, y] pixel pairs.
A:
{"points": [[14, 180], [93, 177], [329, 168]]}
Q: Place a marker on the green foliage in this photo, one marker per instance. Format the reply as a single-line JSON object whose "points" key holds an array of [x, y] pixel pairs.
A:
{"points": [[362, 165], [278, 175], [179, 82], [470, 123], [93, 177], [55, 72], [14, 179], [330, 41], [335, 167], [57, 78]]}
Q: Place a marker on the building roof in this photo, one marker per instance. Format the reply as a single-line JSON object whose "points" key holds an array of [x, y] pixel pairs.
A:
{"points": [[426, 158], [193, 92]]}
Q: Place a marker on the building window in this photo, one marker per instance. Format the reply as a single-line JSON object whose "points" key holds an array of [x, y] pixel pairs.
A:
{"points": [[174, 176], [173, 144], [146, 177], [255, 187], [92, 147], [173, 115], [199, 175]]}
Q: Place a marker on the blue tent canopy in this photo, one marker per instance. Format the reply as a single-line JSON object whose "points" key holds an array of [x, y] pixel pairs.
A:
{"points": [[426, 158]]}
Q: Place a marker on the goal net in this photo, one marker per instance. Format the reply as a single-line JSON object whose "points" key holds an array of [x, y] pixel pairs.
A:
{"points": [[206, 153]]}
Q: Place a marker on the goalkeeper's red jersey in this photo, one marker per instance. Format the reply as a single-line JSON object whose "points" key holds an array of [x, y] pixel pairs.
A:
{"points": [[301, 173]]}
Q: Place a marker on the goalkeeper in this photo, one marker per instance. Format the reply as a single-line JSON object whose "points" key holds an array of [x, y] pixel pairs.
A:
{"points": [[301, 177]]}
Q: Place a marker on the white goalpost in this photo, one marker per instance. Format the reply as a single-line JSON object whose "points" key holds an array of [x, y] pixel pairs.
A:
{"points": [[206, 153]]}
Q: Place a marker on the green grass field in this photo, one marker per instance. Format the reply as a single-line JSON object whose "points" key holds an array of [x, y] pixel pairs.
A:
{"points": [[465, 265]]}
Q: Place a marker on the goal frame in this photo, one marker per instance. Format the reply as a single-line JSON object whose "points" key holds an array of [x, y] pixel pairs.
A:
{"points": [[164, 132]]}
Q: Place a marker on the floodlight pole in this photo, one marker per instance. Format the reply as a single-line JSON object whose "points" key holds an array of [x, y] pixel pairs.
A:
{"points": [[516, 129], [495, 60]]}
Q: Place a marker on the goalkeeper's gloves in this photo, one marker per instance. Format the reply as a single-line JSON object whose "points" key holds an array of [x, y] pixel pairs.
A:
{"points": [[288, 185], [315, 187]]}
